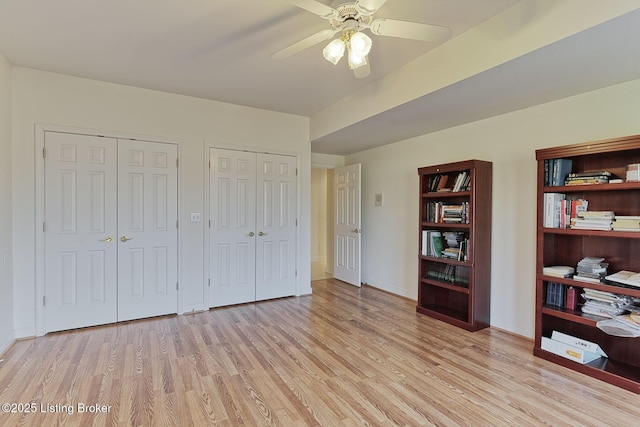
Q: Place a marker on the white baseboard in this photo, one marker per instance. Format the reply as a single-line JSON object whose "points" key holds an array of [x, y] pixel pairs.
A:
{"points": [[25, 333]]}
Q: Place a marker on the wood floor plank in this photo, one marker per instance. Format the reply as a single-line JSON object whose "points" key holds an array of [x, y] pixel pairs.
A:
{"points": [[344, 356]]}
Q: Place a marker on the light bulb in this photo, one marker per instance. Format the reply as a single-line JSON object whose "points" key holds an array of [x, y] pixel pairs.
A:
{"points": [[334, 51]]}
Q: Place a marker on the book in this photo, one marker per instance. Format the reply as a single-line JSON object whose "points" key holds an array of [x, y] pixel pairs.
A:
{"points": [[436, 244], [589, 174], [561, 168], [596, 214], [442, 183], [558, 271], [552, 209]]}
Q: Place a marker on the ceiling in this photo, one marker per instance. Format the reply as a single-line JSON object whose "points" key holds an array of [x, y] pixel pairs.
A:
{"points": [[221, 50]]}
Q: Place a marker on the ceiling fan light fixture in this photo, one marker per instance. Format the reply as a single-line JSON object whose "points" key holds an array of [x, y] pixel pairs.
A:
{"points": [[356, 60], [334, 51], [360, 43]]}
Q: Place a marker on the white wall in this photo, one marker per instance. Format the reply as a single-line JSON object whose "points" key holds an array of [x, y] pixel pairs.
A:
{"points": [[6, 285], [390, 242], [41, 97]]}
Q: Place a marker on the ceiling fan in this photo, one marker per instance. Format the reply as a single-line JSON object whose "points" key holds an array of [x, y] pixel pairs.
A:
{"points": [[349, 19]]}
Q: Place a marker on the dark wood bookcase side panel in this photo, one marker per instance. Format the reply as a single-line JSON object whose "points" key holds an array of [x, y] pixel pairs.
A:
{"points": [[568, 246], [454, 291]]}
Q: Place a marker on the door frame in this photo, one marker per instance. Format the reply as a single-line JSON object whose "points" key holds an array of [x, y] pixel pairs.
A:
{"points": [[301, 288], [40, 131]]}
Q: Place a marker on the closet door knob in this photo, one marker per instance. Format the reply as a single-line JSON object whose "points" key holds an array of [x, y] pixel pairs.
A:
{"points": [[107, 240], [260, 233], [251, 234], [125, 238]]}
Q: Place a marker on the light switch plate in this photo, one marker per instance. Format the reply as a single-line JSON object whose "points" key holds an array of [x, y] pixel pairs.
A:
{"points": [[195, 217], [378, 200]]}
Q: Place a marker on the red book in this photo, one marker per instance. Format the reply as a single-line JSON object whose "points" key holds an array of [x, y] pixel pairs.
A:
{"points": [[572, 299]]}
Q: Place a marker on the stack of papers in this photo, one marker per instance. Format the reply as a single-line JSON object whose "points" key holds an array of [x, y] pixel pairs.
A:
{"points": [[605, 304]]}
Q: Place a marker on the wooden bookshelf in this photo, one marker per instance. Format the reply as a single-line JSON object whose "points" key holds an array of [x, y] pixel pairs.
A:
{"points": [[565, 246], [456, 290]]}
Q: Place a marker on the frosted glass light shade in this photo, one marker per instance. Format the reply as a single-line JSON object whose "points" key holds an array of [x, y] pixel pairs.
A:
{"points": [[356, 61], [334, 51], [360, 43]]}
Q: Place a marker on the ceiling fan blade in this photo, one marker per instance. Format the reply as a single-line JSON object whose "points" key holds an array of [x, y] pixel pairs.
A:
{"points": [[369, 7], [315, 7], [362, 72], [304, 44], [410, 30]]}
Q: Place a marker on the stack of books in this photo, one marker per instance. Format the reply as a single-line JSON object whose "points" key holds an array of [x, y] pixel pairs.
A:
{"points": [[455, 214], [582, 178], [593, 220], [591, 269], [627, 223], [604, 304]]}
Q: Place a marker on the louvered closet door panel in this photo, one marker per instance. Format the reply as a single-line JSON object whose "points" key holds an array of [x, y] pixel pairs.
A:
{"points": [[80, 214], [147, 234], [232, 184], [276, 226]]}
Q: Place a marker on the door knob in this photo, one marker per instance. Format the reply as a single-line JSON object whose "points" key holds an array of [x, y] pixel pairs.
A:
{"points": [[356, 230], [251, 234], [125, 238], [107, 240], [260, 233]]}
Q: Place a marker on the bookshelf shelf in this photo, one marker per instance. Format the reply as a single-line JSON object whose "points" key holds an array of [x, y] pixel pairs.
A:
{"points": [[447, 195], [592, 187], [565, 246], [449, 226], [456, 291], [446, 261], [443, 285], [595, 233]]}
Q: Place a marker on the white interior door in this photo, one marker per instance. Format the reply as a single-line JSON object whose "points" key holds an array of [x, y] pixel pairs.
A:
{"points": [[232, 207], [347, 227], [80, 231], [276, 226], [147, 229]]}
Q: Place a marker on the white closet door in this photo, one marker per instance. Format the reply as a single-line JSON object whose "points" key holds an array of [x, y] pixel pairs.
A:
{"points": [[347, 226], [80, 233], [276, 227], [147, 229], [232, 199]]}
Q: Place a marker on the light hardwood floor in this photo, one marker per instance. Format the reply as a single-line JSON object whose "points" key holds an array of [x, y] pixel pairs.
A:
{"points": [[345, 356]]}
